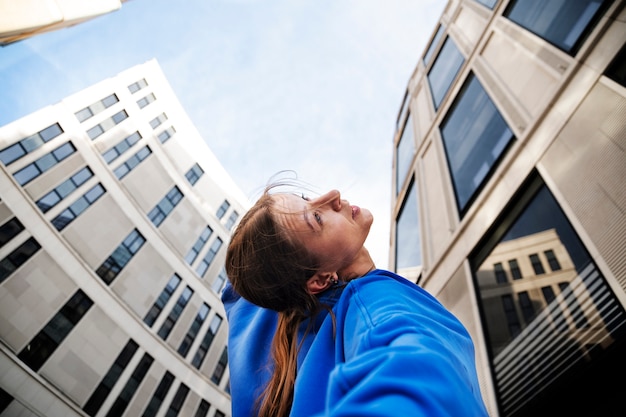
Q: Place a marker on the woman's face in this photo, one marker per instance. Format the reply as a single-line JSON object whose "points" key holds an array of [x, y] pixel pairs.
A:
{"points": [[329, 227]]}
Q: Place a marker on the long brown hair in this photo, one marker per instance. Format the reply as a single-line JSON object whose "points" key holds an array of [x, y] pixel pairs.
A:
{"points": [[268, 269]]}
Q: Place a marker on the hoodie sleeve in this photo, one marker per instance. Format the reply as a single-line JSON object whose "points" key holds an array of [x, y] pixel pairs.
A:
{"points": [[404, 355], [250, 332]]}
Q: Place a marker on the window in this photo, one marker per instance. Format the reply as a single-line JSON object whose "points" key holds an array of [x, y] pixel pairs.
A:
{"points": [[107, 124], [179, 399], [208, 258], [564, 24], [41, 165], [617, 68], [166, 134], [122, 401], [500, 273], [25, 146], [203, 409], [165, 206], [526, 306], [475, 138], [219, 282], [194, 174], [6, 399], [433, 44], [18, 257], [162, 300], [445, 69], [232, 219], [96, 108], [159, 395], [122, 170], [170, 321], [114, 264], [515, 271], [185, 345], [408, 238], [136, 86], [143, 102], [404, 109], [43, 345], [110, 378], [560, 363], [197, 247], [9, 230], [67, 187], [117, 150], [206, 341], [536, 263], [157, 121], [404, 153], [78, 207], [512, 321], [487, 3], [218, 372], [552, 260], [223, 209]]}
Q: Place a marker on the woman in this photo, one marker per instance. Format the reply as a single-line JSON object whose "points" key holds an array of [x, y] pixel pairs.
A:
{"points": [[374, 346]]}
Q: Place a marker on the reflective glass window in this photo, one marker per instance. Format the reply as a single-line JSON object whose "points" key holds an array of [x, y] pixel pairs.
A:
{"points": [[475, 137], [488, 3], [444, 70], [433, 44], [564, 23], [408, 238], [554, 338], [404, 153]]}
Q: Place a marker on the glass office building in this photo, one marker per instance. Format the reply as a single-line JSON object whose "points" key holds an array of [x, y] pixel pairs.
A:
{"points": [[509, 199], [114, 219]]}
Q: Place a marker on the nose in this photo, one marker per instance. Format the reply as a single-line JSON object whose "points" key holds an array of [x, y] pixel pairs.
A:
{"points": [[333, 198]]}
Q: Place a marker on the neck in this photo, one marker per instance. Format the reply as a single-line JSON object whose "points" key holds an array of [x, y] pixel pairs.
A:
{"points": [[361, 265]]}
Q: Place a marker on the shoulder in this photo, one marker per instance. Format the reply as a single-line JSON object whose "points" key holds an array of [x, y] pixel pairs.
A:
{"points": [[385, 299], [383, 284]]}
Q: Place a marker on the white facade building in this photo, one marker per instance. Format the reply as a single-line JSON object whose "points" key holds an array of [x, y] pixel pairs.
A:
{"points": [[114, 220]]}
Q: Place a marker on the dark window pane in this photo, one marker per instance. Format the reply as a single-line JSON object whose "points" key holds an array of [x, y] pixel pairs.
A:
{"points": [[444, 70], [475, 137], [9, 230], [617, 68], [408, 239], [404, 153], [433, 45], [562, 23], [108, 381], [555, 339]]}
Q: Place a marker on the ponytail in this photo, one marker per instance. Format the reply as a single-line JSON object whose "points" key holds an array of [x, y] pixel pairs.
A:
{"points": [[277, 397]]}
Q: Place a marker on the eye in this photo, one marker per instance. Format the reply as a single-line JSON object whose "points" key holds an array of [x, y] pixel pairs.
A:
{"points": [[318, 217]]}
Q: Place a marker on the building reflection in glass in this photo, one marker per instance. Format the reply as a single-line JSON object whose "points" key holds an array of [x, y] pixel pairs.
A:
{"points": [[549, 314]]}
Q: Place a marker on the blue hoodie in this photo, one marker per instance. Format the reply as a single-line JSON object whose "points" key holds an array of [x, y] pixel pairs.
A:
{"points": [[396, 352]]}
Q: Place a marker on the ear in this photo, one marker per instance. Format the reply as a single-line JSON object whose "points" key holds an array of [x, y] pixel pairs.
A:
{"points": [[320, 282]]}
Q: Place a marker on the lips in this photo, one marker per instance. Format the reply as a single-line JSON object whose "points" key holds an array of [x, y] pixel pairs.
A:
{"points": [[355, 211]]}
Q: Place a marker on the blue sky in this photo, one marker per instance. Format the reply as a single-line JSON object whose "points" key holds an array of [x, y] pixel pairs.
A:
{"points": [[312, 86]]}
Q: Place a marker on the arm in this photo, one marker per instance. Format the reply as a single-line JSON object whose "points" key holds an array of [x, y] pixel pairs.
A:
{"points": [[404, 355]]}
